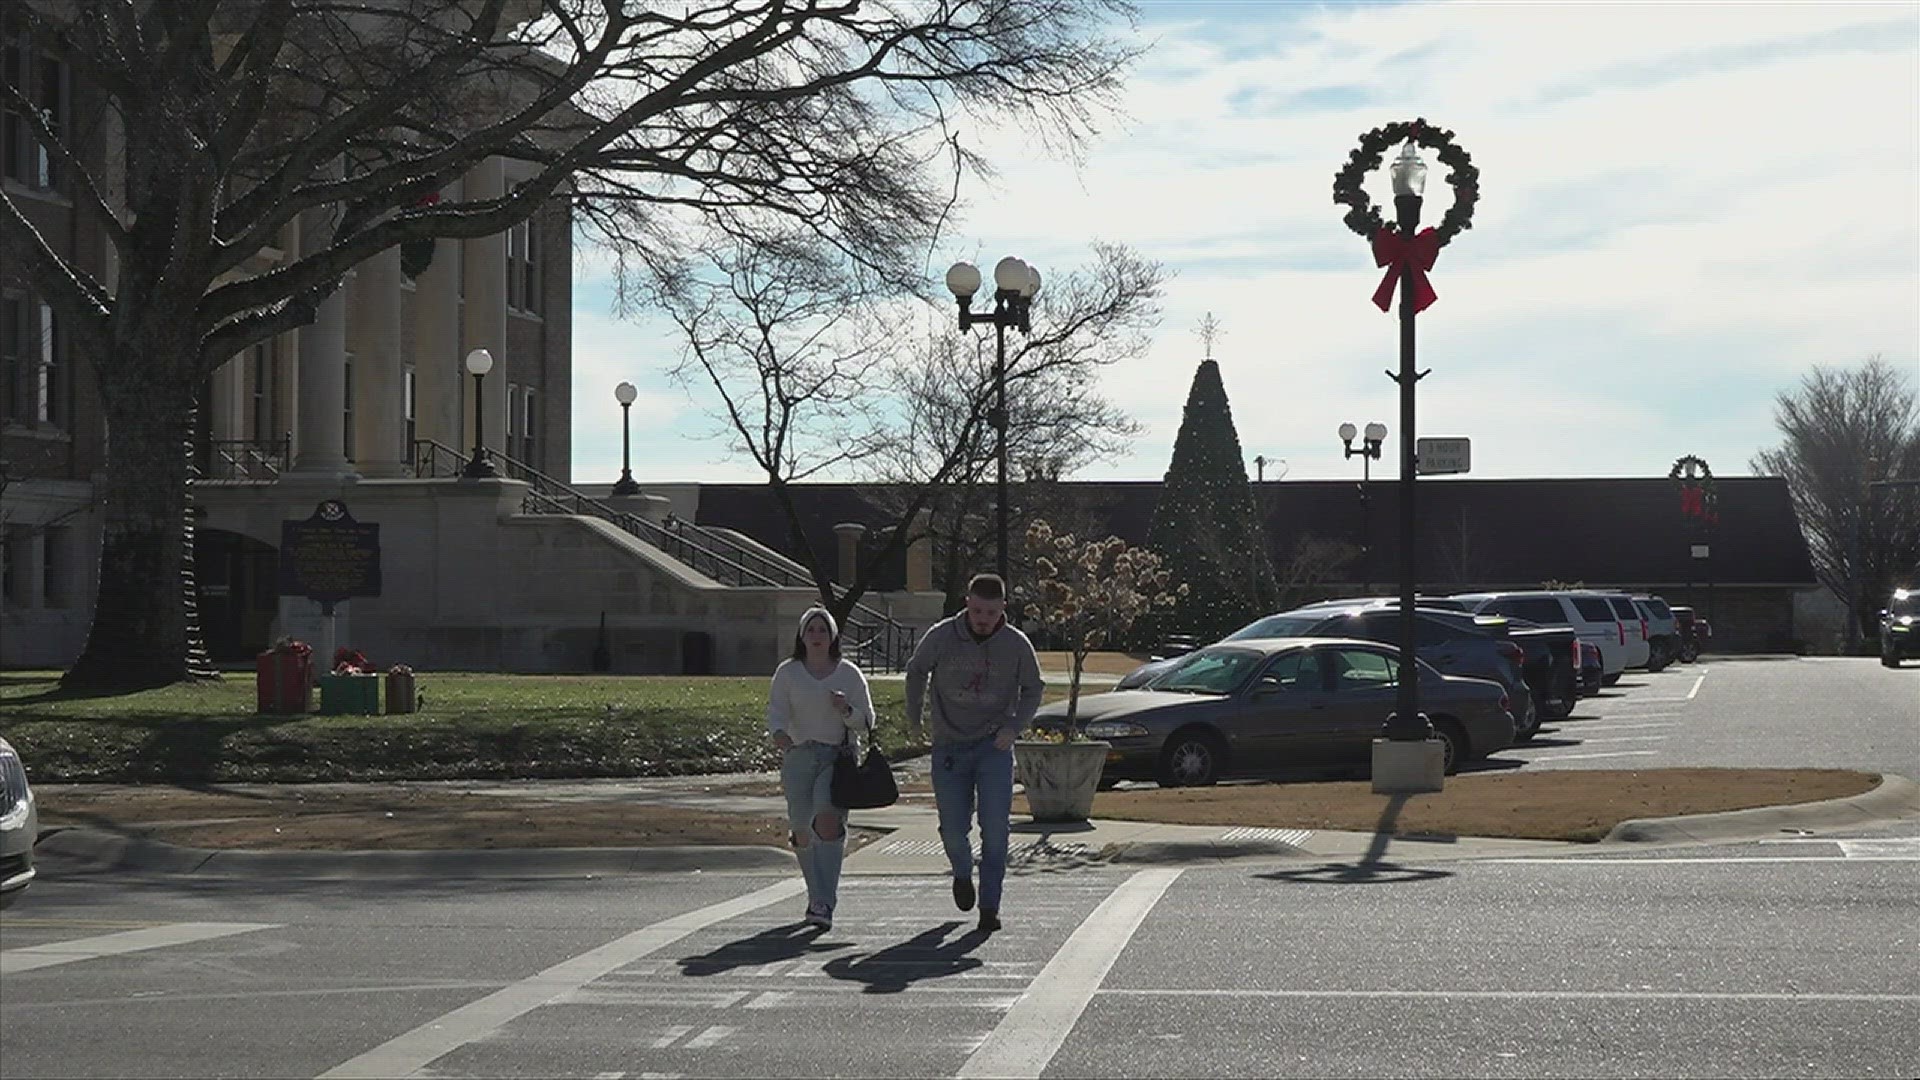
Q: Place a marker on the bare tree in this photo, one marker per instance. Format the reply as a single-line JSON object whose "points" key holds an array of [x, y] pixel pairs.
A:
{"points": [[1312, 561], [801, 355], [1847, 432], [203, 131]]}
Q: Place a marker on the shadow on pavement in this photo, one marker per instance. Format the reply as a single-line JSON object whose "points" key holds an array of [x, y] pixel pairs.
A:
{"points": [[922, 956], [789, 942], [1372, 869]]}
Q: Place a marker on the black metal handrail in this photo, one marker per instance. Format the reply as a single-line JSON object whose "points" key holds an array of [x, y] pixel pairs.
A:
{"points": [[244, 459], [874, 639]]}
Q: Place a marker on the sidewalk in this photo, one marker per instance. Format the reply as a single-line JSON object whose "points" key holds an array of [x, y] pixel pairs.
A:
{"points": [[912, 846]]}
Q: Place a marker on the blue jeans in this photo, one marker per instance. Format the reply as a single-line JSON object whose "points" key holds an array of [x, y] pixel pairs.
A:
{"points": [[806, 775], [966, 776]]}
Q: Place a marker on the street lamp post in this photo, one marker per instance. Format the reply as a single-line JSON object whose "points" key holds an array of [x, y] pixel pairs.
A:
{"points": [[1408, 723], [480, 466], [1376, 434], [624, 394], [1015, 284]]}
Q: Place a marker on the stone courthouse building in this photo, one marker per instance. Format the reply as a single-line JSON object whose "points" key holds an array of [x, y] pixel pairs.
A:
{"points": [[369, 405]]}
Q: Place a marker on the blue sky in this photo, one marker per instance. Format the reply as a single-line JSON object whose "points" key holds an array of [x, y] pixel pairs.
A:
{"points": [[1684, 207]]}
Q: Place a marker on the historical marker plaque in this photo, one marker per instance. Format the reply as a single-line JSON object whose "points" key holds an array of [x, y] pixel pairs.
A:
{"points": [[329, 556]]}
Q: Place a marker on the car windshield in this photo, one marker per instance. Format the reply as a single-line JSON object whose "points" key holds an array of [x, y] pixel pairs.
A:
{"points": [[1905, 605], [1279, 626], [1209, 671]]}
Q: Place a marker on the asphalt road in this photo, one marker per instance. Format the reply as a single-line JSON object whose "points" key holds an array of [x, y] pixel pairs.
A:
{"points": [[1791, 959], [1809, 712]]}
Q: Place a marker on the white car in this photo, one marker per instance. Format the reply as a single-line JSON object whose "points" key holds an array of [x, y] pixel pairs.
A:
{"points": [[19, 826], [1592, 617]]}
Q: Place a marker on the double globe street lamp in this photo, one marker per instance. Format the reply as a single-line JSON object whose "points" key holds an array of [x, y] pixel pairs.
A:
{"points": [[479, 466], [1376, 434], [1015, 285], [625, 394]]}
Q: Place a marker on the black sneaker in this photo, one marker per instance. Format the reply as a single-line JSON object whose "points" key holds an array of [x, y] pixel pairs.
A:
{"points": [[989, 920], [963, 893]]}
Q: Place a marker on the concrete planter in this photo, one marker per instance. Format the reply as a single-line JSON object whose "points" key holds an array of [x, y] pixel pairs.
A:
{"points": [[1060, 778]]}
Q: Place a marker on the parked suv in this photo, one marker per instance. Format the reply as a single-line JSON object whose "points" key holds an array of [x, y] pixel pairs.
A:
{"points": [[1589, 613], [1695, 632], [1900, 627], [1663, 634]]}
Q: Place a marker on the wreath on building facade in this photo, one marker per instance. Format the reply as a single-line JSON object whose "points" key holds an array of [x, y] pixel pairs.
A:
{"points": [[1697, 496], [1413, 255]]}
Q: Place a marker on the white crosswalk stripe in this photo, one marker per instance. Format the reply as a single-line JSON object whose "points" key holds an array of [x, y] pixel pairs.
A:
{"points": [[53, 954]]}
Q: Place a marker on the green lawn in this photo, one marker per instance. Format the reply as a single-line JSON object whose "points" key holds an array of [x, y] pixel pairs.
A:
{"points": [[468, 726]]}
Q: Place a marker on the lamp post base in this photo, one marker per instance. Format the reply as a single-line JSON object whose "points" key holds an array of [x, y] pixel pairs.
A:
{"points": [[479, 468], [626, 485], [1409, 768]]}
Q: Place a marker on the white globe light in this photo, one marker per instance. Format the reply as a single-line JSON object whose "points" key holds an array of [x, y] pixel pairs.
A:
{"points": [[1010, 275], [1376, 431], [1409, 172], [1347, 432], [963, 279], [1033, 283], [625, 393], [479, 362]]}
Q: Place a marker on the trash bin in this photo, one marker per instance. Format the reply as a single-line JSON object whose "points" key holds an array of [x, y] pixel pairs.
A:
{"points": [[400, 697], [283, 682], [343, 694]]}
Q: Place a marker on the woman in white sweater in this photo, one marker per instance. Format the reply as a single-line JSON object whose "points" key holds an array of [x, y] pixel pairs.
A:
{"points": [[818, 702]]}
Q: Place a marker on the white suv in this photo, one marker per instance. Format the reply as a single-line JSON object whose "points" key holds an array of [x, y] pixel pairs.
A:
{"points": [[1590, 615]]}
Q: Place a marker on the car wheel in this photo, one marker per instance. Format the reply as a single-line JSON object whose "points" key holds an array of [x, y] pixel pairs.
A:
{"points": [[1556, 707], [1890, 659], [1659, 660], [1106, 782], [1609, 680], [1455, 741], [1192, 758]]}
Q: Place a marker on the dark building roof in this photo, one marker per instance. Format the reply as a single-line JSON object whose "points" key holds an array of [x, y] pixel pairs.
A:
{"points": [[1471, 533]]}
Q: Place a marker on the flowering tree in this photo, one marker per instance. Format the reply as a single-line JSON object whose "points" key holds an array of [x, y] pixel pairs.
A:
{"points": [[1089, 592]]}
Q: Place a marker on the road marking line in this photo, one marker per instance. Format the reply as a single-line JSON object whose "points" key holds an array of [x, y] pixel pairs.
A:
{"points": [[412, 1051], [708, 1038], [770, 999], [1534, 995], [672, 1036], [1535, 861], [1295, 837], [13, 922], [1624, 738], [1040, 1020], [609, 1076], [1577, 757], [33, 957], [1629, 727], [1697, 680]]}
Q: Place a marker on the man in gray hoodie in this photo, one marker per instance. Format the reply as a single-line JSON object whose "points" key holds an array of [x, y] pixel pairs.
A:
{"points": [[986, 688]]}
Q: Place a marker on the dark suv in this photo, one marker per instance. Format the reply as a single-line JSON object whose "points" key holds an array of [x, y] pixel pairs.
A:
{"points": [[1900, 627]]}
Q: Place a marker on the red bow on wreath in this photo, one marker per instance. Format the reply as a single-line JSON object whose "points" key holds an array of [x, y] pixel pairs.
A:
{"points": [[1692, 502], [1415, 255]]}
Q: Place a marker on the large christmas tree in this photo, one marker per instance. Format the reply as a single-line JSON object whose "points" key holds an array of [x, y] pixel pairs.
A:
{"points": [[1205, 527]]}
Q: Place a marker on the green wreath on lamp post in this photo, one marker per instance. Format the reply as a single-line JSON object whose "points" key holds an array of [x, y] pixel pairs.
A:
{"points": [[1414, 255], [1697, 496]]}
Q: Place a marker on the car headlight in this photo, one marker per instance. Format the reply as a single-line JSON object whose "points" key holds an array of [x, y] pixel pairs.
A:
{"points": [[1113, 729]]}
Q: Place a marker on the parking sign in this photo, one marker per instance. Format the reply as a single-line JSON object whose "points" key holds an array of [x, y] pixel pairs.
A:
{"points": [[1442, 455]]}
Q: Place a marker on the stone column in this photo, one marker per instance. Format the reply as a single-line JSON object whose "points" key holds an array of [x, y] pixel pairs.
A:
{"points": [[484, 311], [379, 388], [319, 436], [920, 553], [849, 533], [436, 343]]}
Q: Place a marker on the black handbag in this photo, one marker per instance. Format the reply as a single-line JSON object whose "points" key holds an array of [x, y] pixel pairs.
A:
{"points": [[865, 784]]}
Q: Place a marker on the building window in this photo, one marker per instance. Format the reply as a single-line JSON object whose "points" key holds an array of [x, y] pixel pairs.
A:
{"points": [[346, 413], [55, 566], [14, 551], [410, 409], [513, 421], [30, 349], [266, 420], [523, 273], [527, 428], [530, 291], [42, 80]]}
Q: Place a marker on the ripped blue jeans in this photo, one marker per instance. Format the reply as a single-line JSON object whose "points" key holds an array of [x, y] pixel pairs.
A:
{"points": [[806, 776]]}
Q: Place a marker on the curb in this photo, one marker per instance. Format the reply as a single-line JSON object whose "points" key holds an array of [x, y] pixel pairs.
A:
{"points": [[1895, 798], [93, 851]]}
